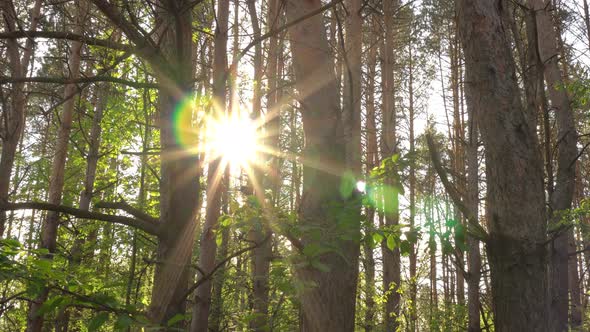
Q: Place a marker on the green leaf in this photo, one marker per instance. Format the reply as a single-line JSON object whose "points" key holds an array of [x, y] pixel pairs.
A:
{"points": [[97, 321], [405, 248], [175, 319], [377, 238], [50, 305], [123, 322], [391, 241]]}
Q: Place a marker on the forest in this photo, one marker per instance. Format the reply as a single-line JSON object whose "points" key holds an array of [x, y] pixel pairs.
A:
{"points": [[295, 165]]}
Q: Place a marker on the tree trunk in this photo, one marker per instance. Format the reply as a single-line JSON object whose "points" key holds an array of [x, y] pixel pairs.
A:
{"points": [[179, 186], [328, 300], [261, 255], [515, 198], [372, 157], [352, 86], [566, 153], [391, 258], [574, 285], [474, 258], [56, 180], [208, 246], [14, 116]]}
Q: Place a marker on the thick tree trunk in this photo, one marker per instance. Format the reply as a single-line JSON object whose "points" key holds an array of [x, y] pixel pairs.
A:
{"points": [[208, 246], [328, 300], [179, 186], [515, 199], [566, 153]]}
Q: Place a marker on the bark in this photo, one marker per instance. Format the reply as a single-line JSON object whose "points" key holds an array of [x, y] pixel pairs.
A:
{"points": [[261, 255], [391, 258], [412, 187], [458, 154], [217, 300], [13, 118], [56, 180], [474, 258], [371, 156], [100, 100], [208, 246], [273, 102], [574, 285], [567, 152], [179, 181], [515, 193], [352, 85], [328, 300]]}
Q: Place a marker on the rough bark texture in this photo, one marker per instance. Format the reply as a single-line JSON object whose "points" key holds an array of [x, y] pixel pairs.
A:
{"points": [[208, 246], [179, 186], [328, 297], [515, 192], [562, 197]]}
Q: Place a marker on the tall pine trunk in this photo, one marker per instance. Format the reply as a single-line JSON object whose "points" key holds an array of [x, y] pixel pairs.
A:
{"points": [[56, 180], [328, 298], [562, 197], [514, 171], [208, 246]]}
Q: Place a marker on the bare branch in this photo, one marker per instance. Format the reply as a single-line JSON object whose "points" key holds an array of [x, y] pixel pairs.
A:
{"points": [[67, 36], [144, 225], [221, 264], [65, 80], [474, 229], [124, 206]]}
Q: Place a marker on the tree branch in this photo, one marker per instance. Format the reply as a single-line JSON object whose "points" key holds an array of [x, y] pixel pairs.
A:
{"points": [[144, 225], [65, 80], [67, 36], [474, 229], [221, 264], [276, 31], [124, 206]]}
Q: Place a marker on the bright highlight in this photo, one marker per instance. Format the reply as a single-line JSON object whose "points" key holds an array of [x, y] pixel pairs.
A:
{"points": [[232, 138]]}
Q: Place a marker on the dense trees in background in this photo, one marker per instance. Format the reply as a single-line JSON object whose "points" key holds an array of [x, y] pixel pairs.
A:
{"points": [[419, 166]]}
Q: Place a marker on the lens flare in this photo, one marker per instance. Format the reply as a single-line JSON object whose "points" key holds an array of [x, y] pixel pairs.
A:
{"points": [[232, 138], [184, 120]]}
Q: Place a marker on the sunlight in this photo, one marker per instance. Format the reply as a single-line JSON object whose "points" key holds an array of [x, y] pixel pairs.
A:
{"points": [[235, 139], [361, 186]]}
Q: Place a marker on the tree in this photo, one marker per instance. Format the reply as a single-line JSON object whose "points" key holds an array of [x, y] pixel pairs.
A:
{"points": [[515, 199], [328, 296]]}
